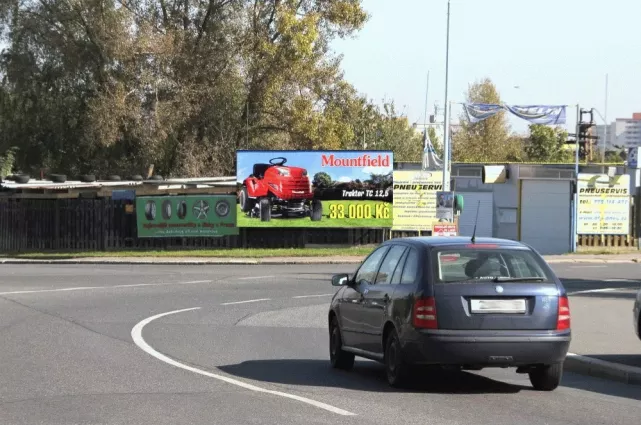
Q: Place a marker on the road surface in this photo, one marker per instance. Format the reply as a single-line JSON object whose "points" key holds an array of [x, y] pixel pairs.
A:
{"points": [[243, 345]]}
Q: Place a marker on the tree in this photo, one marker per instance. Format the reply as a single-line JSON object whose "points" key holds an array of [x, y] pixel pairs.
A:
{"points": [[322, 179], [547, 144], [489, 140]]}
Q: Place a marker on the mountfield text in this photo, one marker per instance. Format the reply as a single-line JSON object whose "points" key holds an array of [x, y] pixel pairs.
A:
{"points": [[359, 161]]}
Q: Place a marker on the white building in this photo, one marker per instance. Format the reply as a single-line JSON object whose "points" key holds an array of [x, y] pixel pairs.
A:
{"points": [[624, 132]]}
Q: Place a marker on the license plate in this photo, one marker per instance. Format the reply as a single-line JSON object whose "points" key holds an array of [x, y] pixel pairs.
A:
{"points": [[497, 306]]}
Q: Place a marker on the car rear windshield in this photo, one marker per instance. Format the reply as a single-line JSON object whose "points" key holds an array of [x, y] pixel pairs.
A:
{"points": [[480, 264]]}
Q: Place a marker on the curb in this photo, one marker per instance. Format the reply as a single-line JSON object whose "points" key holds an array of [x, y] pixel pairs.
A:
{"points": [[602, 369], [248, 261], [179, 262]]}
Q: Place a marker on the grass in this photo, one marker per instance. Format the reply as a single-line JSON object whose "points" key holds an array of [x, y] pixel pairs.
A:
{"points": [[603, 250], [213, 253], [330, 209]]}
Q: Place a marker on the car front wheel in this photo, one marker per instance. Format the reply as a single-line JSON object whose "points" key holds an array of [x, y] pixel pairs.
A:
{"points": [[339, 358], [546, 378]]}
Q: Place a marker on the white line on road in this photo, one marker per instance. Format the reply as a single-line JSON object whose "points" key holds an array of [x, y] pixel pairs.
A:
{"points": [[85, 288], [313, 296], [254, 277], [247, 301], [136, 335], [588, 267]]}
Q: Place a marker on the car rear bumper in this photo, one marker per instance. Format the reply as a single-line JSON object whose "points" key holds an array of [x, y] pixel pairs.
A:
{"points": [[487, 349]]}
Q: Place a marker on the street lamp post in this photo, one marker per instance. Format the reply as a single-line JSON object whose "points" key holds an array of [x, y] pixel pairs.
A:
{"points": [[446, 137]]}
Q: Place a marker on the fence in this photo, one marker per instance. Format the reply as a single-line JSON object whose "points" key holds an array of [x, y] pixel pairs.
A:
{"points": [[103, 224]]}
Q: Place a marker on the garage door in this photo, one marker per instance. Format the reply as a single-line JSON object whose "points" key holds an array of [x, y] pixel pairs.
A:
{"points": [[486, 214], [546, 216]]}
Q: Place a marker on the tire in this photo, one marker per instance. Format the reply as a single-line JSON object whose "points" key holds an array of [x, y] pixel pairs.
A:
{"points": [[156, 178], [22, 178], [150, 210], [222, 208], [181, 210], [317, 210], [396, 370], [338, 358], [265, 209], [246, 203], [114, 178], [136, 178], [88, 178], [58, 178], [546, 378], [166, 209]]}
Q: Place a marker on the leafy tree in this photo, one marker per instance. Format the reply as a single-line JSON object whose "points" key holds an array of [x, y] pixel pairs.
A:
{"points": [[489, 140], [547, 144], [322, 179]]}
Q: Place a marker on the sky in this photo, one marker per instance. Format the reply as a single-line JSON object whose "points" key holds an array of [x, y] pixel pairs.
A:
{"points": [[557, 52], [311, 161]]}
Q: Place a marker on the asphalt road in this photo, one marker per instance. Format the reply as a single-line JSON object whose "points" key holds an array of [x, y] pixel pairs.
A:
{"points": [[90, 345]]}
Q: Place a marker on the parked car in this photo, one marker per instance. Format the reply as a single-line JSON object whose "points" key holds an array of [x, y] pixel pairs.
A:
{"points": [[636, 314], [452, 302]]}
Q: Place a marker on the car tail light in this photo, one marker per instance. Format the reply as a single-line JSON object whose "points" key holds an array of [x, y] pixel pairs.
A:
{"points": [[563, 321], [425, 313]]}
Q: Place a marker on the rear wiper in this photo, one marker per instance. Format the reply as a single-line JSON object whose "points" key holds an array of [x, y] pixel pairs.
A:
{"points": [[518, 279]]}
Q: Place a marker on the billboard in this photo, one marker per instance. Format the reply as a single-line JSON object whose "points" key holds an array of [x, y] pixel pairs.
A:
{"points": [[186, 216], [604, 204], [415, 199], [314, 188]]}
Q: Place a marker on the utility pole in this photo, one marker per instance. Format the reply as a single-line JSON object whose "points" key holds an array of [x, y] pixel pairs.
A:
{"points": [[446, 133]]}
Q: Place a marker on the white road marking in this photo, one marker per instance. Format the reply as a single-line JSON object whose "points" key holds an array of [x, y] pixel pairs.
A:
{"points": [[254, 277], [247, 301], [588, 267], [589, 291], [136, 335], [313, 296], [85, 288]]}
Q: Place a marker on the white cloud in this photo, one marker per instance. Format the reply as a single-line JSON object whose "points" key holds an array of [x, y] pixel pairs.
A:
{"points": [[345, 179], [377, 170]]}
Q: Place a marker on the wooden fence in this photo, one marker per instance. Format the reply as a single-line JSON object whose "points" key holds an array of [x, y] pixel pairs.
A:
{"points": [[103, 224]]}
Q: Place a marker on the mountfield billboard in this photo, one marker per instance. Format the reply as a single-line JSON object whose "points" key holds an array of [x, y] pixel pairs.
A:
{"points": [[315, 188]]}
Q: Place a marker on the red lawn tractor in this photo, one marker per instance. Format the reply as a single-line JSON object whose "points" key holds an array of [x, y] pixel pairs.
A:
{"points": [[275, 189]]}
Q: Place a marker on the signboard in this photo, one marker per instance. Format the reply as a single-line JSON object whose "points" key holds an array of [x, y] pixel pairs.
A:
{"points": [[415, 199], [604, 204], [314, 188], [186, 216], [445, 206], [444, 229]]}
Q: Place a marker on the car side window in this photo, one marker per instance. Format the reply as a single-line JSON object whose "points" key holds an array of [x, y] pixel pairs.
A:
{"points": [[396, 279], [389, 264], [369, 268], [410, 270]]}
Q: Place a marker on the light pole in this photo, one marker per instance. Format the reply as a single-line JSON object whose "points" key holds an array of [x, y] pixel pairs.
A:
{"points": [[446, 133]]}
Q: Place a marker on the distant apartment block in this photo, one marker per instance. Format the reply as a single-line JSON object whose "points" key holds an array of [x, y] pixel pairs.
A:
{"points": [[624, 132]]}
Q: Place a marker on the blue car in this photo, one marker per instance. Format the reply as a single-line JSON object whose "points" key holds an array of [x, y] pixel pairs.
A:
{"points": [[452, 302]]}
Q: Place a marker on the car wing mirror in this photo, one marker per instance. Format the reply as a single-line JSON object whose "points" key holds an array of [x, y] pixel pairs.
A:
{"points": [[340, 279]]}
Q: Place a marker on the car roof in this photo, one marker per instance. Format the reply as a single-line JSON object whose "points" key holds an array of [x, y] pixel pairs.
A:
{"points": [[436, 241]]}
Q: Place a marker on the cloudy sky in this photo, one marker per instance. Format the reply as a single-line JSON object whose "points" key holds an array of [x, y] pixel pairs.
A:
{"points": [[311, 161]]}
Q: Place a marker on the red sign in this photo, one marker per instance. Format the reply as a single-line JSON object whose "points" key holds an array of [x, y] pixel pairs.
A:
{"points": [[444, 229]]}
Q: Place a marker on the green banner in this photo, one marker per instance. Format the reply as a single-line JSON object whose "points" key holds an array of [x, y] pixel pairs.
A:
{"points": [[186, 216]]}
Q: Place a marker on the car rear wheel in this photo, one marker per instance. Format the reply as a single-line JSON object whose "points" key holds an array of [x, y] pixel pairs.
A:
{"points": [[340, 359], [246, 203], [546, 378], [395, 367]]}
